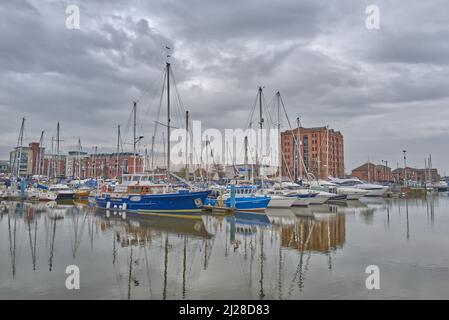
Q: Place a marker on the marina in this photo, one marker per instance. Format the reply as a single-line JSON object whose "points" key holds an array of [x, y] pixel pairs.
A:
{"points": [[315, 252], [214, 157]]}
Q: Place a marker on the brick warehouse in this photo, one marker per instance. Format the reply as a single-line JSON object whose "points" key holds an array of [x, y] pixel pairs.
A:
{"points": [[321, 150]]}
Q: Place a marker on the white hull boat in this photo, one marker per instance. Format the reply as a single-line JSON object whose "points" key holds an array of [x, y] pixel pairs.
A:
{"points": [[352, 193], [281, 202], [321, 198], [41, 195], [373, 190]]}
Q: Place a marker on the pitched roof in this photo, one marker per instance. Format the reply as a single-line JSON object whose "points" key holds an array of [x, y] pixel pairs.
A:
{"points": [[364, 167]]}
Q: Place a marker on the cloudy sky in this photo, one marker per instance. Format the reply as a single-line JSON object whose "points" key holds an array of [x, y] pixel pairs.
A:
{"points": [[386, 90]]}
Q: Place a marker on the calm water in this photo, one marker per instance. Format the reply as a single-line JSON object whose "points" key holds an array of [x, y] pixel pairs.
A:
{"points": [[319, 252]]}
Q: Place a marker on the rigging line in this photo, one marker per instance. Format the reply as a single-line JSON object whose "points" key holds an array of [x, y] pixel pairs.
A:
{"points": [[150, 106], [178, 96], [128, 126], [160, 106], [268, 110], [250, 120], [148, 90], [294, 137], [266, 106]]}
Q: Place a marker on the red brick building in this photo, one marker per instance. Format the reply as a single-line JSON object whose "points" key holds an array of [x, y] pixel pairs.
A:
{"points": [[373, 172], [419, 175], [321, 152], [103, 165], [54, 165]]}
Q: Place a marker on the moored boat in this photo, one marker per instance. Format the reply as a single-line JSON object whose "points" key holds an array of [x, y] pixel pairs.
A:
{"points": [[246, 198], [373, 190], [62, 191]]}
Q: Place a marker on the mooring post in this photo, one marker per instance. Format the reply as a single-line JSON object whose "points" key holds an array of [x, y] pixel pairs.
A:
{"points": [[22, 188], [233, 196]]}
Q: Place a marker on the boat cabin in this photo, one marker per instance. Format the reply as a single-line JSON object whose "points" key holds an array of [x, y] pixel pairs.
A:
{"points": [[145, 189]]}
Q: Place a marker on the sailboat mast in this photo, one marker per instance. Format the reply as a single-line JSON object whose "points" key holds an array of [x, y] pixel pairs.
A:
{"points": [[168, 119], [247, 177], [260, 108], [207, 158], [57, 150], [19, 147], [95, 163], [278, 96], [298, 150], [187, 146], [327, 151], [145, 162], [118, 152], [134, 135], [79, 158], [261, 127], [51, 165], [152, 153], [40, 154]]}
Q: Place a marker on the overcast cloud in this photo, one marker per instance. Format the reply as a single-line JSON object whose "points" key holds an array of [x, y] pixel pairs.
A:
{"points": [[386, 90]]}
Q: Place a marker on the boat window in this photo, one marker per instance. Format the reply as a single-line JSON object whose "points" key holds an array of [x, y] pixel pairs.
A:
{"points": [[135, 178]]}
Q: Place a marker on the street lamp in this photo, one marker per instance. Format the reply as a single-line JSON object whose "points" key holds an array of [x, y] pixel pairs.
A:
{"points": [[405, 167]]}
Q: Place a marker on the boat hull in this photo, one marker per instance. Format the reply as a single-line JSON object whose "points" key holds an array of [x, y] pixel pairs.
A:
{"points": [[319, 199], [376, 192], [339, 197], [244, 203], [182, 202], [281, 202], [354, 196], [65, 196], [301, 202]]}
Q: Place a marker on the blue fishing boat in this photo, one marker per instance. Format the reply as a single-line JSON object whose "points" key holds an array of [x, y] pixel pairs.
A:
{"points": [[245, 198], [151, 199]]}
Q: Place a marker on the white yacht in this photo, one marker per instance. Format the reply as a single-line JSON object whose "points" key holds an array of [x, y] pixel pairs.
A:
{"points": [[350, 193], [41, 194], [302, 196], [373, 190], [278, 199], [62, 191]]}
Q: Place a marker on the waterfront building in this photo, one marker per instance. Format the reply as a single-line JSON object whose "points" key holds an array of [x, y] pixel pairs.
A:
{"points": [[105, 165], [4, 166], [102, 165], [373, 172], [418, 175], [76, 164], [54, 165], [26, 160], [321, 152]]}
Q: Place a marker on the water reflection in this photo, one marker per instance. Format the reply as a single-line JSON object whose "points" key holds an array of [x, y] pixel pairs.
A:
{"points": [[280, 254]]}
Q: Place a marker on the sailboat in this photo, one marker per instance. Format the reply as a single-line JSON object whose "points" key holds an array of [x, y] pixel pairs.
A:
{"points": [[141, 194], [279, 200]]}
